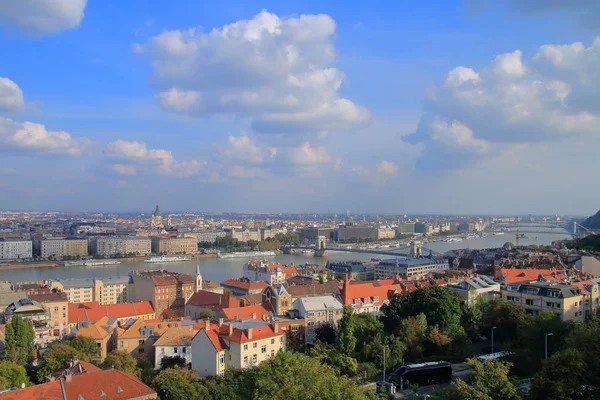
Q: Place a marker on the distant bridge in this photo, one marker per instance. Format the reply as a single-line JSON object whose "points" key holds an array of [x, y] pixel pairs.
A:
{"points": [[394, 252], [509, 233]]}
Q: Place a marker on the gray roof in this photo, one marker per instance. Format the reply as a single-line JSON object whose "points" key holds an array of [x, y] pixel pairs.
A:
{"points": [[320, 303], [247, 323], [544, 288], [76, 282]]}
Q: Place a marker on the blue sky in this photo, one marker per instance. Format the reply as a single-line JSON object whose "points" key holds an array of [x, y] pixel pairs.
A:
{"points": [[400, 107]]}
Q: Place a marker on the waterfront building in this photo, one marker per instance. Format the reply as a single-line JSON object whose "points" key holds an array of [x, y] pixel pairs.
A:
{"points": [[235, 345], [385, 233], [312, 233], [407, 228], [318, 311], [15, 249], [56, 305], [59, 247], [270, 232], [244, 234], [537, 296], [166, 290], [409, 268], [110, 246], [174, 245], [109, 290], [209, 235], [175, 341], [350, 232]]}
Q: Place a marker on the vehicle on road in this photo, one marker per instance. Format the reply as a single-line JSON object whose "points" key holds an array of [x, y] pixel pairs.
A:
{"points": [[429, 373]]}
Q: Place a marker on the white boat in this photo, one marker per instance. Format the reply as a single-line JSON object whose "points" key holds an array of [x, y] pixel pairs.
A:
{"points": [[247, 254], [95, 263], [162, 259], [307, 252]]}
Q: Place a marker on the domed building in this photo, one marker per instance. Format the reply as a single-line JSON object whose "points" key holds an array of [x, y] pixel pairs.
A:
{"points": [[156, 220]]}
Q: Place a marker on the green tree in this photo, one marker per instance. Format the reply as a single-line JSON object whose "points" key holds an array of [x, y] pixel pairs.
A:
{"points": [[295, 376], [19, 340], [505, 316], [329, 355], [366, 329], [13, 375], [179, 384], [584, 338], [346, 338], [55, 357], [146, 368], [170, 362], [326, 334], [123, 361], [560, 377], [207, 313], [413, 333], [488, 381], [85, 345]]}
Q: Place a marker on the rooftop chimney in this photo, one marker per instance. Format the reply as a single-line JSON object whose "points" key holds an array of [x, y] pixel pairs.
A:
{"points": [[221, 322], [253, 315], [249, 333], [276, 327], [230, 329]]}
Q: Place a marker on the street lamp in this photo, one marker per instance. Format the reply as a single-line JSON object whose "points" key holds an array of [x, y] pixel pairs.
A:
{"points": [[546, 345], [493, 327]]}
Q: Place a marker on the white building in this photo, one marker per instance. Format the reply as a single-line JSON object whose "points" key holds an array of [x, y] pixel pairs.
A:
{"points": [[470, 289], [113, 245], [15, 249], [235, 345], [273, 274], [408, 268], [176, 341], [318, 311]]}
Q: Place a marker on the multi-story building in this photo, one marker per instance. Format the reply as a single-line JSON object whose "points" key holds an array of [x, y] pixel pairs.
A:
{"points": [[350, 232], [385, 233], [270, 232], [174, 245], [280, 298], [123, 313], [469, 290], [235, 345], [312, 233], [110, 246], [259, 271], [245, 234], [538, 296], [407, 228], [37, 314], [139, 335], [408, 268], [56, 305], [108, 290], [363, 270], [76, 247], [166, 290], [175, 341], [318, 311], [61, 247], [104, 332], [368, 296], [241, 287], [15, 249], [210, 235]]}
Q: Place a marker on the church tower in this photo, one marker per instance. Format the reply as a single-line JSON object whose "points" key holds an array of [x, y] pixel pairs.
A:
{"points": [[198, 280]]}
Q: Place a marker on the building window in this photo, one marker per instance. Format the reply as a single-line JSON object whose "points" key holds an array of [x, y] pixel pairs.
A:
{"points": [[245, 347], [175, 350], [141, 342], [222, 359], [272, 341], [263, 349], [529, 302], [254, 358], [254, 345], [272, 353], [246, 360], [183, 349]]}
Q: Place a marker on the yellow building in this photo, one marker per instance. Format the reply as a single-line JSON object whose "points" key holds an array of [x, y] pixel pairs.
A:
{"points": [[538, 296], [56, 305], [318, 311], [235, 345], [110, 290], [174, 245], [75, 247]]}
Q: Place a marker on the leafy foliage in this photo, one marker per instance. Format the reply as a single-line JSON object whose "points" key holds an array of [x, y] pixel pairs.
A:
{"points": [[329, 355], [13, 375], [346, 338], [326, 334], [19, 340], [560, 377], [55, 358], [85, 345], [123, 361], [179, 384], [170, 362]]}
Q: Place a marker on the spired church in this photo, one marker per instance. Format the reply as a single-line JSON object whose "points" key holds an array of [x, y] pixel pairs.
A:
{"points": [[157, 220]]}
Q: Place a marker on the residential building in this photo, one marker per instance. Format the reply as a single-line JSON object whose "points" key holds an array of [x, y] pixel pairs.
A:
{"points": [[318, 311], [93, 384], [280, 298], [204, 300], [469, 290], [14, 249], [175, 341], [588, 265], [166, 290], [110, 246], [137, 336], [409, 268], [382, 233], [537, 296], [349, 232], [248, 312], [174, 245], [368, 296], [209, 235], [37, 314], [103, 331], [244, 234], [90, 312], [75, 247], [260, 271], [363, 270], [235, 345], [56, 305], [108, 290], [240, 287], [52, 247]]}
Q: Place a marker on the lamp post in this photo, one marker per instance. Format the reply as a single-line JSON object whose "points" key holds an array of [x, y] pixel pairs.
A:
{"points": [[546, 345], [493, 327]]}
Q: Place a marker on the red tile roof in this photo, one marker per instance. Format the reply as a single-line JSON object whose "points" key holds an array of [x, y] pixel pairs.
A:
{"points": [[216, 340], [93, 385], [241, 335], [94, 312], [518, 275], [214, 301], [350, 291], [242, 284], [246, 312]]}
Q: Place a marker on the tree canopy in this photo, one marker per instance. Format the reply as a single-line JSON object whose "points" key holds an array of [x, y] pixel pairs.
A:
{"points": [[12, 375], [123, 361], [179, 384], [19, 343], [560, 377]]}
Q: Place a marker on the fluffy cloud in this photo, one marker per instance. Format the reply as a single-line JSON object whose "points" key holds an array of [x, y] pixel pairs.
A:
{"points": [[552, 97], [387, 168], [11, 95], [40, 17], [244, 149], [306, 154], [275, 70], [35, 138], [133, 156]]}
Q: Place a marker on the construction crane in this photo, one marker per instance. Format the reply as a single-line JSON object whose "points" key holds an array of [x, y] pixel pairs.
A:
{"points": [[517, 237]]}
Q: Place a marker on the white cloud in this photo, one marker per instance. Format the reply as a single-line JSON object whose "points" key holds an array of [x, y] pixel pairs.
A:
{"points": [[244, 149], [11, 95], [306, 154], [136, 155], [555, 96], [40, 17], [276, 70], [35, 138], [387, 167]]}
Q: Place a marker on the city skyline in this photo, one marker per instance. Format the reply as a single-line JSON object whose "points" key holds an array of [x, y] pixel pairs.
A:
{"points": [[452, 108]]}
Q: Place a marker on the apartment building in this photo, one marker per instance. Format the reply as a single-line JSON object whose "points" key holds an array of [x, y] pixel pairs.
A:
{"points": [[385, 233], [537, 296], [15, 249], [175, 341], [280, 298], [103, 332], [318, 311], [115, 245], [37, 314], [235, 345], [174, 245], [242, 286], [408, 268], [108, 290], [122, 313], [59, 247], [137, 336], [166, 290], [209, 235], [469, 290], [368, 296], [259, 271], [56, 305], [76, 247]]}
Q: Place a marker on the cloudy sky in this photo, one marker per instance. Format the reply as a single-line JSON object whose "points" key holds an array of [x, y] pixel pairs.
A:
{"points": [[385, 107]]}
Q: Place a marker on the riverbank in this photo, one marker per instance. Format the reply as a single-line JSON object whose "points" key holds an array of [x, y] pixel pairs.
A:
{"points": [[28, 265]]}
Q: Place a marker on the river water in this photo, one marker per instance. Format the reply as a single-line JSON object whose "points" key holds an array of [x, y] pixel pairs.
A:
{"points": [[219, 269]]}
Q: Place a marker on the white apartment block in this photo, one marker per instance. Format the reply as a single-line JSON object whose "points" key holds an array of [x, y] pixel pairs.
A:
{"points": [[15, 249], [318, 311], [111, 246]]}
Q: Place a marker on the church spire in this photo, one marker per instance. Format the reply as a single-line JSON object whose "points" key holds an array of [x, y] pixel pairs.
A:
{"points": [[198, 280]]}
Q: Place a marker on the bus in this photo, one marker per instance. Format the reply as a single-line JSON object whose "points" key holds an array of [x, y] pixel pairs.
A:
{"points": [[429, 373], [494, 356]]}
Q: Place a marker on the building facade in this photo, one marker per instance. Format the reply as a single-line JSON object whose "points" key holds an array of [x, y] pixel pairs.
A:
{"points": [[166, 290], [114, 245], [318, 311], [409, 268], [174, 342], [15, 249], [109, 290], [174, 245], [56, 305]]}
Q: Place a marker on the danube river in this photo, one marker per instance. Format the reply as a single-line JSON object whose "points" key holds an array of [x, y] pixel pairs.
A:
{"points": [[219, 269]]}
